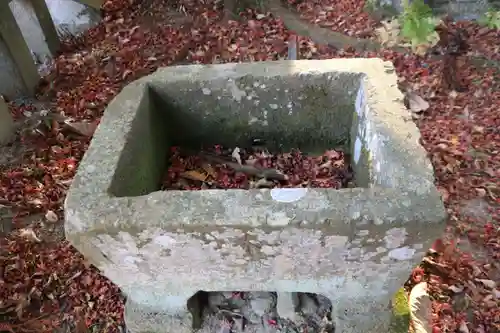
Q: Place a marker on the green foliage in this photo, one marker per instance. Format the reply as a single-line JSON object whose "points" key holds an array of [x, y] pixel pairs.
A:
{"points": [[491, 19], [400, 320], [417, 23]]}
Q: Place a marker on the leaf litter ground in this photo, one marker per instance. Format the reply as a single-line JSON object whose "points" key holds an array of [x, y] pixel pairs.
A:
{"points": [[45, 285], [256, 167]]}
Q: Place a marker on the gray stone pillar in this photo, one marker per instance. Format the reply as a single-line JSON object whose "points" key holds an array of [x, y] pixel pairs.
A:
{"points": [[19, 50], [48, 28], [6, 123]]}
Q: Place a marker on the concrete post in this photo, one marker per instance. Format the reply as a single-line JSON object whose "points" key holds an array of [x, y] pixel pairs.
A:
{"points": [[92, 3], [6, 123], [19, 50], [48, 28]]}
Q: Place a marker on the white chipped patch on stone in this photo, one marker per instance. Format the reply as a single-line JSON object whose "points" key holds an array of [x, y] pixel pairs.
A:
{"points": [[368, 131], [359, 100], [288, 195], [357, 150], [76, 224], [236, 92], [130, 260], [90, 168], [336, 241], [278, 219], [395, 237], [164, 241], [402, 253], [363, 233]]}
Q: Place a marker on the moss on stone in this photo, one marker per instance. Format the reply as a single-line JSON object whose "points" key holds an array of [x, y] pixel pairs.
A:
{"points": [[400, 320]]}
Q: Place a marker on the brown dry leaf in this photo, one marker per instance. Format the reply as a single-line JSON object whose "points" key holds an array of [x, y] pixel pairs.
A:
{"points": [[194, 175], [420, 309], [30, 235], [80, 326], [389, 33], [22, 304], [476, 295], [448, 251], [51, 217], [81, 128], [415, 103], [490, 284], [463, 327], [456, 288], [209, 170], [262, 183]]}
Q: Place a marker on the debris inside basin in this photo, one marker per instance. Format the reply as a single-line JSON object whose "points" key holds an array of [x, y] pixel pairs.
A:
{"points": [[255, 167], [262, 312]]}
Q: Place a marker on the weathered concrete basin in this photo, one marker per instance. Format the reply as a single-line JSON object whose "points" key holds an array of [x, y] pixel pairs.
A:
{"points": [[355, 246]]}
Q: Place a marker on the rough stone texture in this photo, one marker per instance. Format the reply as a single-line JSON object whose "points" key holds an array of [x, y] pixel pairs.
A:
{"points": [[6, 123], [458, 9], [355, 246], [15, 51]]}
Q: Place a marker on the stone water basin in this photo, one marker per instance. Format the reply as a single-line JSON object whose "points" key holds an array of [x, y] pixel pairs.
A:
{"points": [[355, 246]]}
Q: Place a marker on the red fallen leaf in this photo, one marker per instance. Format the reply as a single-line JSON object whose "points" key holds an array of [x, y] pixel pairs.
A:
{"points": [[448, 251], [6, 327], [272, 322], [438, 245], [87, 280]]}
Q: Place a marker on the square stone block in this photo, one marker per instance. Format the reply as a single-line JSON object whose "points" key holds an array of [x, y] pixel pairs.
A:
{"points": [[355, 246]]}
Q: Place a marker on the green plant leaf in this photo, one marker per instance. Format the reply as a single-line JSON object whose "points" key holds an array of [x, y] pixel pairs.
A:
{"points": [[418, 24], [490, 19]]}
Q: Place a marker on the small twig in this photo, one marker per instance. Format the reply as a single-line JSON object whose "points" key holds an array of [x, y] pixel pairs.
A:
{"points": [[271, 174]]}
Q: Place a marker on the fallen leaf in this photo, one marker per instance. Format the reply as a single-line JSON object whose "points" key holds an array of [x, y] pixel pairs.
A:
{"points": [[463, 327], [456, 289], [6, 327], [30, 235], [236, 155], [415, 103], [81, 128], [420, 308], [490, 284], [51, 217], [209, 170], [22, 303], [194, 175]]}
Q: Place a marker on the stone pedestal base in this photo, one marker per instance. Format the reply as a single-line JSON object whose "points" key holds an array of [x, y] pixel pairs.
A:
{"points": [[363, 316], [174, 316], [143, 318]]}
